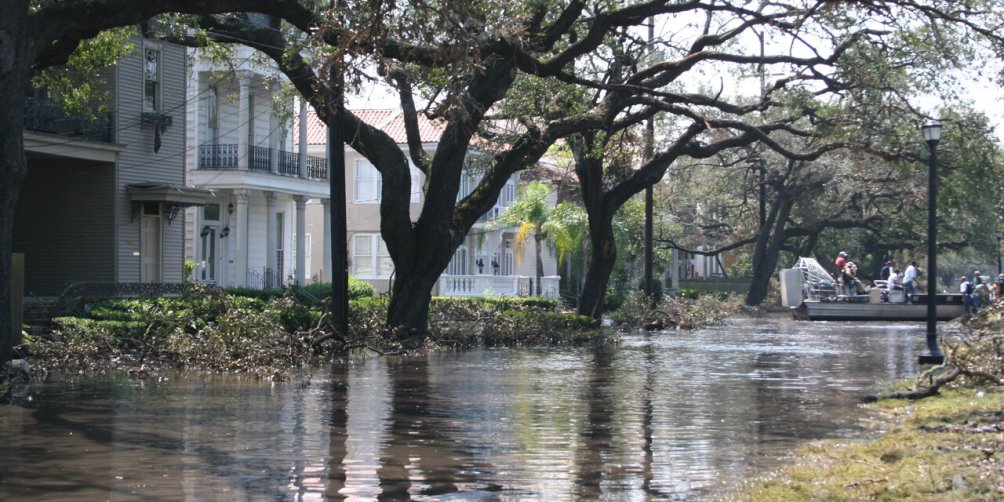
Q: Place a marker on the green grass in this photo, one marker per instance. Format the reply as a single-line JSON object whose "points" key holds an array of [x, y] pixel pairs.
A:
{"points": [[945, 448]]}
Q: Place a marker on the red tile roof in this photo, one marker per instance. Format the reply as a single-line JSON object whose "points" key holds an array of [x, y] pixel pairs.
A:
{"points": [[388, 121]]}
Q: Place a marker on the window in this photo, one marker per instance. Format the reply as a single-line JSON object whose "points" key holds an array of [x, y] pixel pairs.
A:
{"points": [[370, 259], [368, 182], [211, 212], [458, 265], [212, 116], [251, 114], [151, 80]]}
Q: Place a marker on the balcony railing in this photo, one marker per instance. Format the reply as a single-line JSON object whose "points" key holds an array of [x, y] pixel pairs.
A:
{"points": [[496, 285], [217, 156], [259, 159], [49, 117]]}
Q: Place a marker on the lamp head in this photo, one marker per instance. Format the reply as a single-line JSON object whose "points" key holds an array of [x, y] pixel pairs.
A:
{"points": [[931, 131]]}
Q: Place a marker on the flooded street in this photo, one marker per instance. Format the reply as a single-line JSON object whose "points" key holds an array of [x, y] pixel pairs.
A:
{"points": [[661, 416]]}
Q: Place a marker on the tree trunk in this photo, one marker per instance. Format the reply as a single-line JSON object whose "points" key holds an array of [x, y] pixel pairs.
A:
{"points": [[14, 72], [768, 250], [604, 255], [408, 312]]}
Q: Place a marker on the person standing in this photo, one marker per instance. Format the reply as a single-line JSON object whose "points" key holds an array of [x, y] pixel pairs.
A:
{"points": [[840, 262], [886, 271], [908, 278], [999, 288], [967, 295], [981, 291]]}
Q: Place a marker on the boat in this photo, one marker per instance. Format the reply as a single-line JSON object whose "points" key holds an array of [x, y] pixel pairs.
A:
{"points": [[814, 295]]}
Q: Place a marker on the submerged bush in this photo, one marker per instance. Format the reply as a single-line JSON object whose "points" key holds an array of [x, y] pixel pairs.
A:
{"points": [[213, 330], [683, 311]]}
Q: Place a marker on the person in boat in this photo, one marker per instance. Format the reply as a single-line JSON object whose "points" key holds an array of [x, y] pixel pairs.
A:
{"points": [[894, 280], [981, 291], [908, 278], [850, 277], [966, 288], [893, 283], [886, 271], [841, 262], [999, 288]]}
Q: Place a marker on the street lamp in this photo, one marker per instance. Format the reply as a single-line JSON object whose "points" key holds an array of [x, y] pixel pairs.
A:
{"points": [[932, 134]]}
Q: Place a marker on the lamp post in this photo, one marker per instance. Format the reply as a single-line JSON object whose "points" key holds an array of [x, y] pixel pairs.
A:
{"points": [[932, 134]]}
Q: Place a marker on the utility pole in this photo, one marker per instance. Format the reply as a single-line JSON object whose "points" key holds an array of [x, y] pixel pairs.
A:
{"points": [[336, 185], [649, 153]]}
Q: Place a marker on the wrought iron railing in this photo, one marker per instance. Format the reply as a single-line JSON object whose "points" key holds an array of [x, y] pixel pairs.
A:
{"points": [[260, 158], [217, 156], [266, 278], [49, 117], [289, 163], [317, 168]]}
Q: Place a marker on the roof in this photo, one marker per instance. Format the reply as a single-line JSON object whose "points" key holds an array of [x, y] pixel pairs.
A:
{"points": [[389, 121]]}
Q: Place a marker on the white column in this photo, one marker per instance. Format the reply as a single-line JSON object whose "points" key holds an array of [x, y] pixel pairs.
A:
{"points": [[326, 267], [241, 229], [271, 258], [273, 143], [301, 238], [303, 139], [243, 118]]}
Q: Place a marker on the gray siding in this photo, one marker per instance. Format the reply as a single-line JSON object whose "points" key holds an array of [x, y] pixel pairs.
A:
{"points": [[67, 230], [138, 163]]}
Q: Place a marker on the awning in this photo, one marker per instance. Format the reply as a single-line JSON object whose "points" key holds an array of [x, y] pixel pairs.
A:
{"points": [[172, 195]]}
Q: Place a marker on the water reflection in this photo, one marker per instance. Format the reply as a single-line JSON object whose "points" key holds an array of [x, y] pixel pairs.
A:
{"points": [[677, 416]]}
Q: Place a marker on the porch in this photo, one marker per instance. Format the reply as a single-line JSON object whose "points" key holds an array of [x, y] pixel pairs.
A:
{"points": [[481, 286], [261, 159]]}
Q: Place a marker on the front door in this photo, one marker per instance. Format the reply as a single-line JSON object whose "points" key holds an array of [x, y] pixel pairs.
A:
{"points": [[209, 254], [150, 243]]}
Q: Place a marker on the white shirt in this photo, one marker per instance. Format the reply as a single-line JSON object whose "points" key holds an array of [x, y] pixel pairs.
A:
{"points": [[893, 279], [910, 274]]}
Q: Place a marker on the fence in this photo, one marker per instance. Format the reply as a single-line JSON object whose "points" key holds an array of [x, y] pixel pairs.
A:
{"points": [[716, 284]]}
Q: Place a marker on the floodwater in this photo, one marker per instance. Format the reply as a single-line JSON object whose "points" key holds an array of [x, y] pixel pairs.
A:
{"points": [[662, 416]]}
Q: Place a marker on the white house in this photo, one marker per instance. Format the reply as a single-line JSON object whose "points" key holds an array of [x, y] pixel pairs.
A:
{"points": [[486, 265], [242, 151]]}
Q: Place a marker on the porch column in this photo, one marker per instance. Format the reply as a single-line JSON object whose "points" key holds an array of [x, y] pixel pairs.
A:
{"points": [[271, 258], [243, 118], [241, 231], [326, 267], [303, 141], [301, 238], [273, 143]]}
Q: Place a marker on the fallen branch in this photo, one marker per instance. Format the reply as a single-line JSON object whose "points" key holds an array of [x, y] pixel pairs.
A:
{"points": [[921, 393]]}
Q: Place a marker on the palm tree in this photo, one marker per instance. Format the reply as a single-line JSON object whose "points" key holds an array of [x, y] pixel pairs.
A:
{"points": [[533, 216]]}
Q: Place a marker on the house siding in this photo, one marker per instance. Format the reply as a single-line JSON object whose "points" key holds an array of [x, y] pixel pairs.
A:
{"points": [[140, 164], [68, 236]]}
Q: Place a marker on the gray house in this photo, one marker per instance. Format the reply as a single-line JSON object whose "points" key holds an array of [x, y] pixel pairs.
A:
{"points": [[104, 198]]}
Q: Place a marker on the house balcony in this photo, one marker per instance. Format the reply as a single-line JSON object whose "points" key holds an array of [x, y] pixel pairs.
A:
{"points": [[261, 159], [46, 116], [482, 286]]}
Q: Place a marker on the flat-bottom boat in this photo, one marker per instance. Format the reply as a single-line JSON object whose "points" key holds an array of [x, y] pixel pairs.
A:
{"points": [[813, 294], [852, 309]]}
